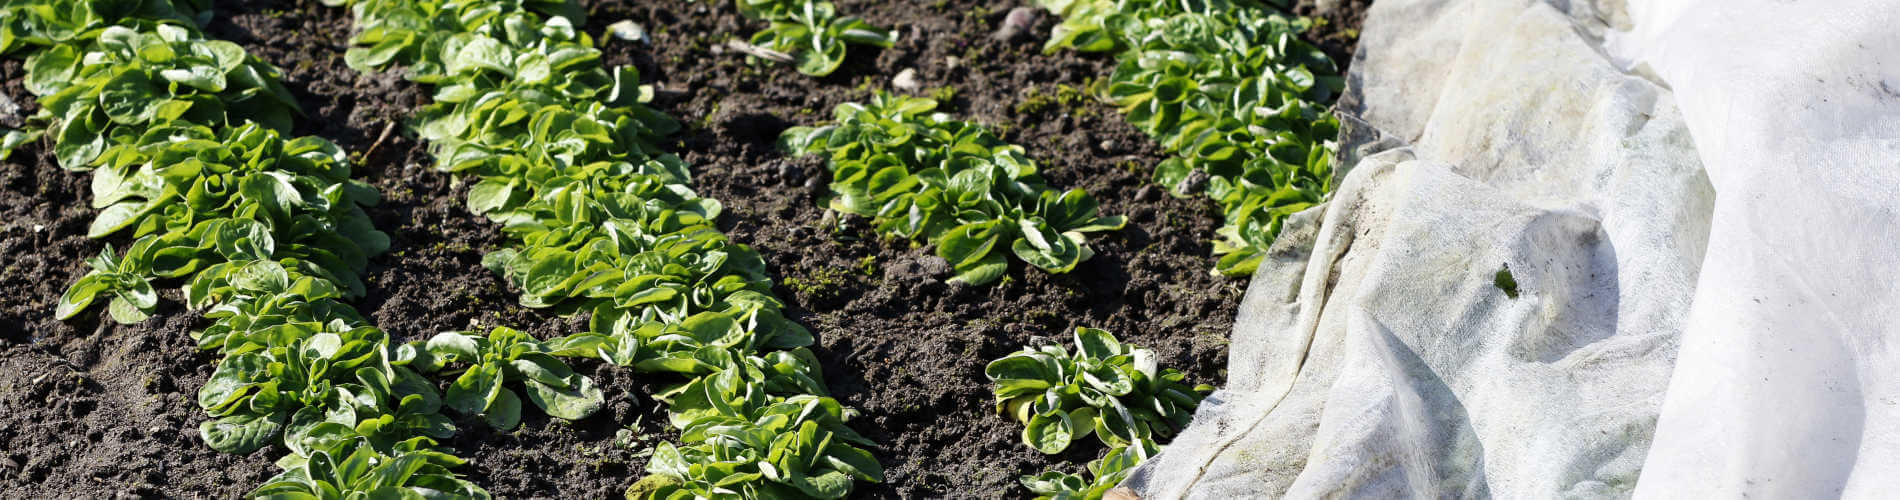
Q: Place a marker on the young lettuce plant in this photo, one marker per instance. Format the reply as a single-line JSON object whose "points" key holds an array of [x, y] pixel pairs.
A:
{"points": [[1229, 88], [99, 96], [815, 37], [811, 32], [745, 442], [196, 198], [356, 467], [132, 296], [1112, 390], [267, 232], [287, 369], [921, 175], [483, 365], [1108, 472], [565, 159]]}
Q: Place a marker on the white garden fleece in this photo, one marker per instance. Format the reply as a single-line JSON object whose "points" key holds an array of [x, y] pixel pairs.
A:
{"points": [[1699, 201]]}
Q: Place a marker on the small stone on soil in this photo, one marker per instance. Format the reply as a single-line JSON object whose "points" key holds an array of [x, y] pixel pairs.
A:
{"points": [[927, 268], [1193, 183], [629, 31], [906, 80], [1148, 193], [10, 112], [789, 171], [1019, 21]]}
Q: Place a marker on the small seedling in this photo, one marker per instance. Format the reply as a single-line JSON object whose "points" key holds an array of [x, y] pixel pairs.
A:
{"points": [[1505, 282]]}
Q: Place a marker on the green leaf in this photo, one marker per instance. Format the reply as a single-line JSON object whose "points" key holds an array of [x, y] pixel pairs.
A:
{"points": [[459, 346], [261, 276], [574, 402], [367, 59], [653, 486], [1098, 344], [407, 382], [234, 380], [204, 78], [475, 390], [984, 272], [667, 460], [1049, 433], [854, 461], [489, 195], [51, 70], [129, 98], [125, 311], [1107, 379], [832, 484], [243, 433], [245, 239], [480, 52], [80, 295], [541, 368], [968, 245], [1056, 253], [505, 413], [1015, 367], [822, 59], [116, 217]]}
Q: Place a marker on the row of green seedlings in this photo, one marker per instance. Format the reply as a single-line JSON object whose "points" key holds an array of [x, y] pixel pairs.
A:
{"points": [[808, 34], [1228, 87], [602, 222], [267, 235], [1105, 388], [921, 175]]}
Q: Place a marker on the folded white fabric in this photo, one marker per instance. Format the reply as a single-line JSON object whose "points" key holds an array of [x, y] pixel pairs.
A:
{"points": [[1788, 382], [1717, 178]]}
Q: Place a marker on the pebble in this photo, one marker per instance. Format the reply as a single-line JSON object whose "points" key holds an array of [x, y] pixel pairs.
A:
{"points": [[906, 80], [927, 268], [1019, 21], [1193, 183], [934, 265], [788, 171], [1108, 145], [10, 113], [1148, 193], [629, 31]]}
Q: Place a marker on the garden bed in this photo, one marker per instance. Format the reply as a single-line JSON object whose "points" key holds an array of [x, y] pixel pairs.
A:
{"points": [[90, 405]]}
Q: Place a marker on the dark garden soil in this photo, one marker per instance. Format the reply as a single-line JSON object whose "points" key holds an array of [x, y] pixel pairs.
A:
{"points": [[97, 409]]}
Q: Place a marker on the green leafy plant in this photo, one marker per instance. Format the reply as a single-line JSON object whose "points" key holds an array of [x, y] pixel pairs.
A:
{"points": [[194, 197], [100, 96], [922, 175], [1229, 88], [1104, 474], [358, 469], [266, 233], [755, 445], [1106, 388], [600, 221], [483, 365], [297, 375], [811, 32], [1112, 390], [132, 296], [1504, 282]]}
